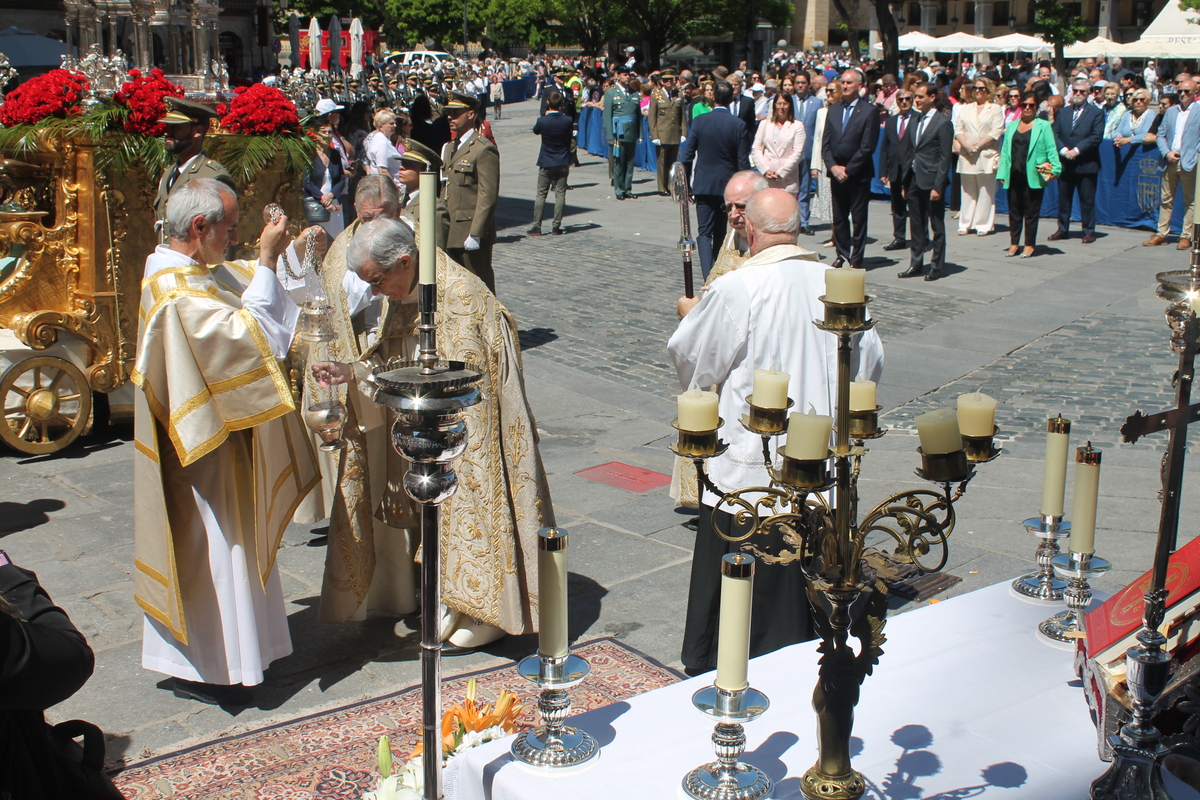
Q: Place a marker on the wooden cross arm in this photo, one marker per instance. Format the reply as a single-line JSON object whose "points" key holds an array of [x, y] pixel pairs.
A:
{"points": [[1138, 424]]}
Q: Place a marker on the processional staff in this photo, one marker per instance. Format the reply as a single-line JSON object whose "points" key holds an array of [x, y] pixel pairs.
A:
{"points": [[681, 193]]}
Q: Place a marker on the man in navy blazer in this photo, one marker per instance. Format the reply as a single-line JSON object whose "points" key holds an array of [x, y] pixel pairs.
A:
{"points": [[806, 106], [925, 171], [719, 145], [554, 161], [851, 131], [1078, 129], [1178, 139]]}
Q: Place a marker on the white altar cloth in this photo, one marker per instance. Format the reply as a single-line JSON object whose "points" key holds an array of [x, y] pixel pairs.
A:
{"points": [[965, 695]]}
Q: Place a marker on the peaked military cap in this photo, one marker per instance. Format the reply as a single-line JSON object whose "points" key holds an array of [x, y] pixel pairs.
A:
{"points": [[181, 111], [417, 153], [460, 100]]}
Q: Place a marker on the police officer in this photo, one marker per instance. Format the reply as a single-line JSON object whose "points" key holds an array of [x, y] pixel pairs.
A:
{"points": [[667, 126], [187, 123]]}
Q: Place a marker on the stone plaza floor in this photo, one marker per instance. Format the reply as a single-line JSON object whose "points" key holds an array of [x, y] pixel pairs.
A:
{"points": [[1075, 330]]}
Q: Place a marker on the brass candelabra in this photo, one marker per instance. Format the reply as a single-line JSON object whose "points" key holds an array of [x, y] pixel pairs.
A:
{"points": [[829, 541]]}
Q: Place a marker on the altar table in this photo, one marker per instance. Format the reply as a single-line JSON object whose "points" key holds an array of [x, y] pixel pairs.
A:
{"points": [[966, 701]]}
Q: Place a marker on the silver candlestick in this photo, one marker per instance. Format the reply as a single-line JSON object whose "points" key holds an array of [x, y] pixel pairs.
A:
{"points": [[1042, 584], [727, 778], [1077, 569], [553, 744]]}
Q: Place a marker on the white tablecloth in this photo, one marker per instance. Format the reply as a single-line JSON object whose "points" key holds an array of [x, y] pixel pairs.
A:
{"points": [[965, 695]]}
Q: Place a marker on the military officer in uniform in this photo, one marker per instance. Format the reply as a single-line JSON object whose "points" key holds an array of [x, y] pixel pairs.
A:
{"points": [[471, 169], [622, 128], [560, 83], [667, 127], [187, 123]]}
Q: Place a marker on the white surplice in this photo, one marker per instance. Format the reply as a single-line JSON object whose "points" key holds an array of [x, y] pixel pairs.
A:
{"points": [[236, 623], [757, 317]]}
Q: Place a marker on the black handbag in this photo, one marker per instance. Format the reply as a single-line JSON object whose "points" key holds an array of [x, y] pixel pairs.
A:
{"points": [[314, 212]]}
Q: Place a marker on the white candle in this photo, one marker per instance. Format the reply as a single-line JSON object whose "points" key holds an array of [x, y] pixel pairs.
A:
{"points": [[1054, 479], [698, 410], [427, 227], [862, 396], [976, 414], [939, 432], [808, 435], [1087, 492], [733, 635], [845, 285], [552, 592], [770, 388]]}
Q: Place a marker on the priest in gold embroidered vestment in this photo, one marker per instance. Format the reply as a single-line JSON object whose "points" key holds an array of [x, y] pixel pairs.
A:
{"points": [[221, 458], [489, 527]]}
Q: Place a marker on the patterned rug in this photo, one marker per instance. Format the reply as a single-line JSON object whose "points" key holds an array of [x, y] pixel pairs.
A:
{"points": [[331, 755]]}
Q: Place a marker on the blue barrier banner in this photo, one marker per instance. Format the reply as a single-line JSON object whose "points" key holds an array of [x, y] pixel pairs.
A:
{"points": [[590, 137]]}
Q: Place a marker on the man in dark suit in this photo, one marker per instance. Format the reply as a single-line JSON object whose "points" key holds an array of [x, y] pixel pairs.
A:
{"points": [[554, 161], [930, 137], [851, 131], [806, 105], [1078, 129], [560, 86], [895, 158], [741, 106], [720, 145]]}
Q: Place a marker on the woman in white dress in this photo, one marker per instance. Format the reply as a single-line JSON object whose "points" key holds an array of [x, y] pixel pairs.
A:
{"points": [[822, 203], [382, 157], [779, 146], [978, 127]]}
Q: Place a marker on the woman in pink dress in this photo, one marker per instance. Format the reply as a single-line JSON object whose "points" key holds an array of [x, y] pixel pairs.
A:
{"points": [[779, 145]]}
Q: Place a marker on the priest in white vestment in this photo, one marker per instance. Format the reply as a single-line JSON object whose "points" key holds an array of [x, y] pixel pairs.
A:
{"points": [[221, 459], [757, 317]]}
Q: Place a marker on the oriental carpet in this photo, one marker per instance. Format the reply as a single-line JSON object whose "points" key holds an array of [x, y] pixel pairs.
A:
{"points": [[331, 755]]}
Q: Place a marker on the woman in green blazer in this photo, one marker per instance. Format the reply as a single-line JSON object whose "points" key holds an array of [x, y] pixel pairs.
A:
{"points": [[1028, 161]]}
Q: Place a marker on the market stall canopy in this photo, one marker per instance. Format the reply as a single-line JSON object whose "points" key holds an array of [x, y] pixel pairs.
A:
{"points": [[1019, 43], [1174, 33], [27, 49], [960, 43], [1095, 47], [914, 41]]}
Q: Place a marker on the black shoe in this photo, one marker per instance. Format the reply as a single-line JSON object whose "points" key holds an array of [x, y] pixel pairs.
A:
{"points": [[620, 196], [896, 244], [214, 694], [838, 262], [556, 232], [807, 231], [534, 232], [912, 272], [933, 274]]}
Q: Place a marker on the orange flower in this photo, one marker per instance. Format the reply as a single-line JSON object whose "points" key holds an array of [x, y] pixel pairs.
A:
{"points": [[469, 716]]}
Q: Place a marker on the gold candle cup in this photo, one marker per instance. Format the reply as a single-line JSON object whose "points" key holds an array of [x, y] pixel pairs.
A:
{"points": [[845, 316], [803, 473], [697, 444], [863, 424], [944, 467], [768, 420], [979, 448]]}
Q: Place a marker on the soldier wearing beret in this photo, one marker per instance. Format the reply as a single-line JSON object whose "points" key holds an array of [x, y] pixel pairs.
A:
{"points": [[187, 123], [471, 168]]}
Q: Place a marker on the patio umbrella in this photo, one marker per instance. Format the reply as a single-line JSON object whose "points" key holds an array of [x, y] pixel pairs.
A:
{"points": [[1099, 46], [356, 46], [314, 44], [335, 44], [960, 43], [1019, 43], [294, 37], [913, 41], [27, 49]]}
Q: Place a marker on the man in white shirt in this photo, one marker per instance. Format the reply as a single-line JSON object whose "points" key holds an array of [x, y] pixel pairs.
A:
{"points": [[755, 317]]}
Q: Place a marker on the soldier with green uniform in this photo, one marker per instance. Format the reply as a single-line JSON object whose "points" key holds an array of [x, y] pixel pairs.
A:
{"points": [[187, 123], [471, 169], [667, 126], [622, 128]]}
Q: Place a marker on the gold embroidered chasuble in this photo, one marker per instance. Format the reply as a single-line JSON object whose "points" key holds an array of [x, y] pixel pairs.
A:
{"points": [[489, 528], [211, 388]]}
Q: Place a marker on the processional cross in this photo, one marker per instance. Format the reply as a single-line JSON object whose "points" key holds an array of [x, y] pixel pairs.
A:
{"points": [[1138, 749]]}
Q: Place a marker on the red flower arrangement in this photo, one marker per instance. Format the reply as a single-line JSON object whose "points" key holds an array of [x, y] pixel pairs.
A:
{"points": [[53, 94], [143, 96], [261, 109]]}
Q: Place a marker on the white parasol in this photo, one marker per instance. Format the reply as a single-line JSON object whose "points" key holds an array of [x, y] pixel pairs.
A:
{"points": [[314, 44], [356, 47]]}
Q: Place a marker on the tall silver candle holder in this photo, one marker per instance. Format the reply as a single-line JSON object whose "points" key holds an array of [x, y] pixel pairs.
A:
{"points": [[845, 575], [1043, 584], [1076, 569], [728, 778], [429, 398], [553, 745]]}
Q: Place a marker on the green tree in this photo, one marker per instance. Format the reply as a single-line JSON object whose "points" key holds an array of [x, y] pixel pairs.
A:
{"points": [[411, 22], [663, 23], [889, 36], [370, 11], [1059, 27], [742, 20], [587, 23]]}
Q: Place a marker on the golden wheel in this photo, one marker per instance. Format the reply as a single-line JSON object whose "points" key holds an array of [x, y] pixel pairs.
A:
{"points": [[47, 404]]}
